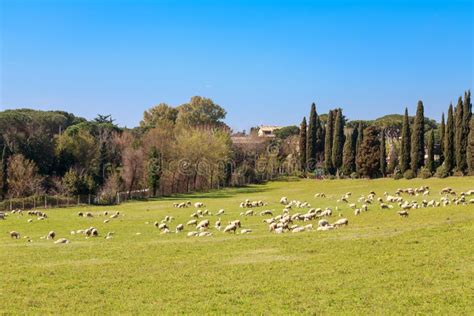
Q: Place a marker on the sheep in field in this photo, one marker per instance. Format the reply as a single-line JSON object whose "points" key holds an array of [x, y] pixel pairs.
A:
{"points": [[220, 212], [62, 241], [229, 228], [245, 231], [51, 235], [217, 225], [15, 234], [179, 228], [403, 213], [191, 222], [341, 222]]}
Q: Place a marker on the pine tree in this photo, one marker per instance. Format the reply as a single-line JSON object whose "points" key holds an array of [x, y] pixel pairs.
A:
{"points": [[442, 130], [418, 139], [406, 144], [369, 153], [311, 139], [383, 154], [460, 151], [360, 136], [154, 170], [449, 159], [430, 164], [328, 143], [303, 145], [349, 154], [338, 140]]}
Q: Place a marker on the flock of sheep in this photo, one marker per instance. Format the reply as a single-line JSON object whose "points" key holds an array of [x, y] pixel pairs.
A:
{"points": [[295, 217]]}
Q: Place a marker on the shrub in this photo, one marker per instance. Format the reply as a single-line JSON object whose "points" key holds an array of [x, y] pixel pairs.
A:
{"points": [[424, 173], [441, 172], [355, 175], [409, 174]]}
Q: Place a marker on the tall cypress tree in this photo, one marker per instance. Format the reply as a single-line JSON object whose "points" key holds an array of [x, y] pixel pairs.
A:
{"points": [[154, 170], [328, 143], [460, 151], [470, 148], [467, 115], [338, 140], [405, 147], [449, 159], [359, 139], [383, 154], [303, 145], [442, 130], [311, 139], [418, 139], [319, 139], [430, 164], [348, 163]]}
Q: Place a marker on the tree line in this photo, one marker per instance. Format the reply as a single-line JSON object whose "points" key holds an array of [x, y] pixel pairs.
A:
{"points": [[415, 147], [186, 148]]}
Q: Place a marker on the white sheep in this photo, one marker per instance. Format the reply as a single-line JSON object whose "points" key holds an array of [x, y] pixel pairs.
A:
{"points": [[179, 228]]}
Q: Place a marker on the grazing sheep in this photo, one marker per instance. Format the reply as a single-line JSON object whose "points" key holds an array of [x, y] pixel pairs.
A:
{"points": [[236, 223], [2, 215], [245, 231], [30, 220], [198, 204], [115, 215], [323, 223], [62, 241], [106, 221], [109, 235], [51, 235], [217, 225], [231, 227], [325, 228], [89, 214], [15, 235], [191, 222], [403, 213], [284, 200], [192, 234], [266, 212], [357, 211], [353, 205], [204, 234], [179, 228], [203, 224], [80, 214], [249, 213], [298, 229], [340, 222], [220, 212], [162, 226]]}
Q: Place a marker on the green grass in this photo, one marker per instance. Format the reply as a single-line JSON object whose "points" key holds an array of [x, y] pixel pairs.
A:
{"points": [[379, 264]]}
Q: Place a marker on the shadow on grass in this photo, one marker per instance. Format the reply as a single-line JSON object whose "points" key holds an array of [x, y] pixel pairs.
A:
{"points": [[215, 194]]}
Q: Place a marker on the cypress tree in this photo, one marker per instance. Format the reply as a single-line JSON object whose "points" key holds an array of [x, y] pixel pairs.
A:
{"points": [[467, 115], [383, 154], [430, 164], [393, 162], [405, 147], [369, 153], [328, 143], [460, 151], [360, 136], [442, 130], [311, 139], [154, 170], [303, 145], [319, 139], [418, 139], [449, 159], [349, 154], [338, 140], [470, 148]]}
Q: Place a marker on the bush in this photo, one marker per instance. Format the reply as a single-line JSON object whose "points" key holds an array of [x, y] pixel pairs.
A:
{"points": [[458, 174], [441, 172], [424, 173], [355, 175], [397, 173], [409, 174]]}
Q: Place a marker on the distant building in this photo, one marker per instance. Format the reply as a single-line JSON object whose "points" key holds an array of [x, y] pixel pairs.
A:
{"points": [[267, 130]]}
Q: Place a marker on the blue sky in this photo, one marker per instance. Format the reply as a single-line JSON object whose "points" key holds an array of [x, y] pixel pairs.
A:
{"points": [[263, 61]]}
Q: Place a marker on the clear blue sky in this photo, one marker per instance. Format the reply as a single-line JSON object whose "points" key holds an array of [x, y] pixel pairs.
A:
{"points": [[263, 61]]}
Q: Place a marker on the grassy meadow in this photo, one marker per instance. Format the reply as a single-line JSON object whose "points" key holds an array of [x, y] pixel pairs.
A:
{"points": [[379, 264]]}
